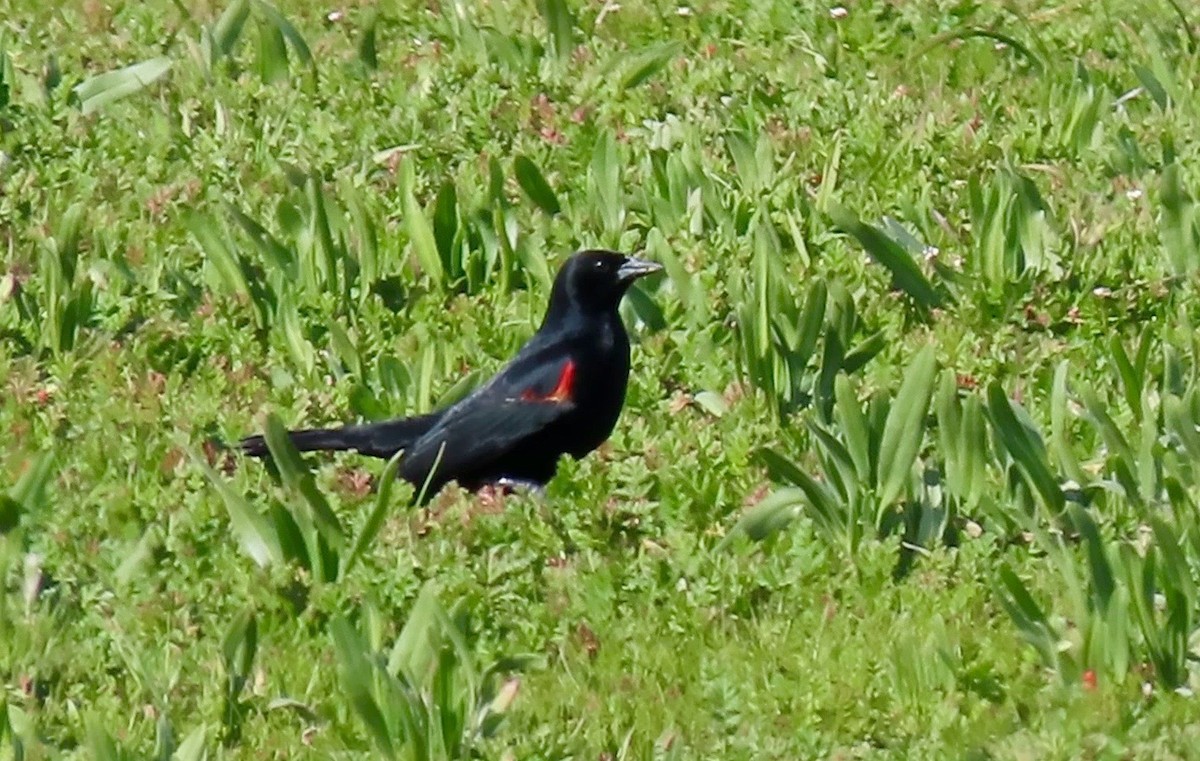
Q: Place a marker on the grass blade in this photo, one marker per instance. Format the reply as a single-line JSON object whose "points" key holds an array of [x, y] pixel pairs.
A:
{"points": [[1027, 452], [530, 178], [252, 529], [378, 514], [421, 234], [357, 678], [560, 28], [299, 478], [649, 62], [285, 28], [102, 89], [904, 430], [905, 273], [229, 27]]}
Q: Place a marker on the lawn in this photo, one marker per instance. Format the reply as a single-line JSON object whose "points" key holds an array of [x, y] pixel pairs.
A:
{"points": [[909, 465]]}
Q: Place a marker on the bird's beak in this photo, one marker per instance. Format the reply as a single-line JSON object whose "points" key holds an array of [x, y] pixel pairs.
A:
{"points": [[633, 268]]}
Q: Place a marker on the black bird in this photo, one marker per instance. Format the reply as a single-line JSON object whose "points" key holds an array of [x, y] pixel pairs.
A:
{"points": [[561, 394]]}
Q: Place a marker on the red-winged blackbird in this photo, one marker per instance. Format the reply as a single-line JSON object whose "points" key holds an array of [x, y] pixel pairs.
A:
{"points": [[561, 394]]}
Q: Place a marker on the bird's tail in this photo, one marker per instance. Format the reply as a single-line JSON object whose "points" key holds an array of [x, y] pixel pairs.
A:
{"points": [[372, 439]]}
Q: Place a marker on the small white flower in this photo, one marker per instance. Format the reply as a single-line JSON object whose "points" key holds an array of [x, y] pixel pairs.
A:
{"points": [[838, 12], [1102, 292], [1133, 194], [683, 10], [334, 16]]}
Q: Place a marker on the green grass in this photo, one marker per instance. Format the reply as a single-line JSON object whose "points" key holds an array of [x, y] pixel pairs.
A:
{"points": [[908, 466]]}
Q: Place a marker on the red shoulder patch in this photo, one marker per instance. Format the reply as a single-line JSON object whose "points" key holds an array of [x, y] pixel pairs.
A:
{"points": [[562, 390]]}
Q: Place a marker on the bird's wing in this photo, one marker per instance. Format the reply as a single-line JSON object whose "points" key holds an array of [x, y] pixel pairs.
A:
{"points": [[499, 417]]}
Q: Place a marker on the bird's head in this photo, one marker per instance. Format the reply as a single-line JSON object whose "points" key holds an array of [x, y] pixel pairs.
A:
{"points": [[595, 281]]}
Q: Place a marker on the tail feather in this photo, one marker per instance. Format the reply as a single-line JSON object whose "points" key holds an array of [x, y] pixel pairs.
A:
{"points": [[373, 439]]}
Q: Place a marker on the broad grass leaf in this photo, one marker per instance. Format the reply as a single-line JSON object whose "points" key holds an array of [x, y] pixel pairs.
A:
{"points": [[1027, 452], [192, 748], [289, 32], [67, 237], [858, 357], [445, 226], [367, 51], [1035, 60], [272, 59], [377, 516], [366, 404], [344, 348], [712, 403], [1186, 25], [281, 258], [421, 234], [1177, 223], [1121, 454], [394, 376], [100, 743], [774, 513], [298, 477], [10, 514], [322, 272], [287, 319], [291, 537], [904, 430], [833, 356], [905, 273], [826, 510], [531, 180], [6, 79], [253, 531], [1176, 569], [1132, 380], [1152, 86], [837, 463], [358, 680], [1023, 605], [604, 173], [496, 181], [647, 309], [560, 27], [744, 164], [1060, 426], [229, 27], [533, 262], [646, 63], [30, 489], [240, 645], [1103, 584], [425, 378], [142, 551], [416, 648], [467, 383], [812, 318], [217, 251], [102, 89], [854, 428]]}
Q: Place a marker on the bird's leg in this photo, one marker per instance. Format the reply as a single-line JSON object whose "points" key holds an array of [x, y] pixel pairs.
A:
{"points": [[491, 495], [511, 485]]}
